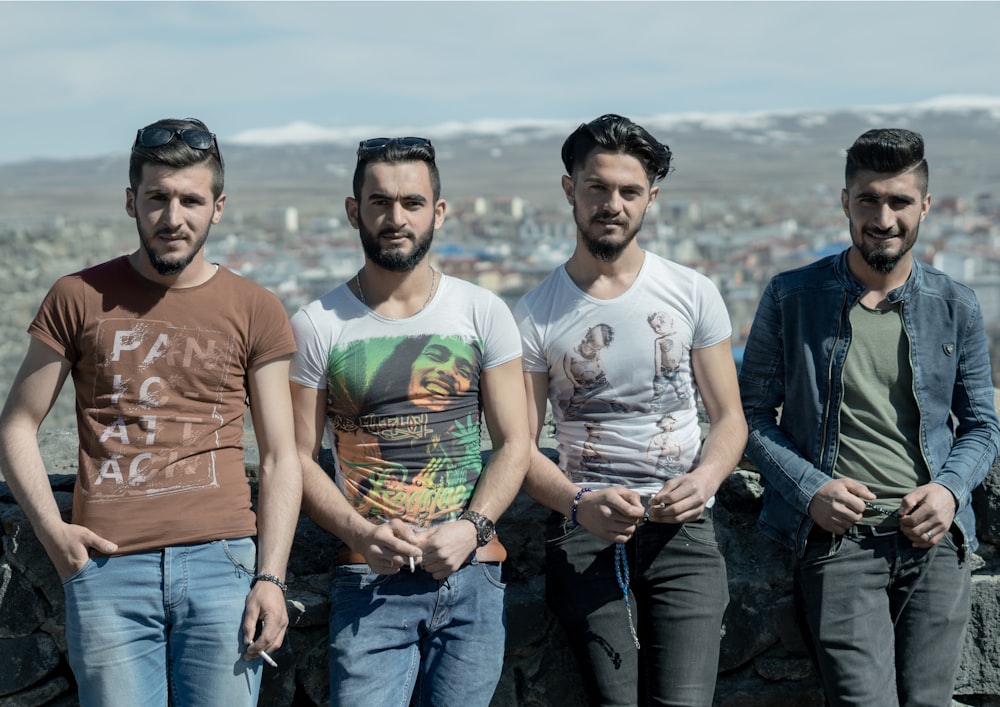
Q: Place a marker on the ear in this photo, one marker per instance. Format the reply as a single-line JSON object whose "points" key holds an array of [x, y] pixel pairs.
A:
{"points": [[845, 200], [439, 209], [653, 192], [925, 207], [351, 207], [130, 202], [220, 204], [567, 186]]}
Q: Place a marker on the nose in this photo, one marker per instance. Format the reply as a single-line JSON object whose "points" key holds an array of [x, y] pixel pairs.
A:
{"points": [[614, 202], [172, 214], [395, 214], [885, 217]]}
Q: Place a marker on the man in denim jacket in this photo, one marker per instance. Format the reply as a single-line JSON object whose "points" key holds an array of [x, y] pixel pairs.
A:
{"points": [[879, 367]]}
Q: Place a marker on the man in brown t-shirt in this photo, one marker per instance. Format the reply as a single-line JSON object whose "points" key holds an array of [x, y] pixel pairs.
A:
{"points": [[167, 594]]}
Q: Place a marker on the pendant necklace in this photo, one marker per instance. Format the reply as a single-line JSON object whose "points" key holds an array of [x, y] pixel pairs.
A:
{"points": [[430, 295]]}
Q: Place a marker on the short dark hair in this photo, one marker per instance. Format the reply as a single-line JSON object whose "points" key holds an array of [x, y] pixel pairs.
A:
{"points": [[888, 151], [177, 154], [615, 133], [395, 151]]}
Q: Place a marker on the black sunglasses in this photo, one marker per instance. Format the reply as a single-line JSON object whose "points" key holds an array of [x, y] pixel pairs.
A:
{"points": [[366, 148], [158, 136]]}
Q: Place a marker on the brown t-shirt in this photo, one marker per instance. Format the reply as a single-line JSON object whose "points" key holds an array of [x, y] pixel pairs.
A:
{"points": [[161, 389]]}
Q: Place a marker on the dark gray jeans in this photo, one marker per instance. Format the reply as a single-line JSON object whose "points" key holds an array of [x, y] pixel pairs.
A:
{"points": [[872, 603], [678, 596]]}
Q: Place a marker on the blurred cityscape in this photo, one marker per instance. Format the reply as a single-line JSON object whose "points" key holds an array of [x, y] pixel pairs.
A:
{"points": [[778, 207]]}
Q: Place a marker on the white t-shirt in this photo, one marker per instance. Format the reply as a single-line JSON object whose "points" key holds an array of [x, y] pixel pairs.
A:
{"points": [[620, 380], [403, 395]]}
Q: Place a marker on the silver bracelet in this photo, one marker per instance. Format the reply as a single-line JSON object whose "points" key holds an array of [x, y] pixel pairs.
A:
{"points": [[265, 577]]}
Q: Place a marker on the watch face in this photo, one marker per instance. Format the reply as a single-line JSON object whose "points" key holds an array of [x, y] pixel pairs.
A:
{"points": [[485, 530], [486, 533]]}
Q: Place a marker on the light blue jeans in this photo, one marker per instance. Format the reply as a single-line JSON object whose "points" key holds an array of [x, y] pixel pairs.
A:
{"points": [[408, 634], [872, 603], [163, 626]]}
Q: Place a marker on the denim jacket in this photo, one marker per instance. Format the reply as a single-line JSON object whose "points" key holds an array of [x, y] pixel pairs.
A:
{"points": [[794, 361]]}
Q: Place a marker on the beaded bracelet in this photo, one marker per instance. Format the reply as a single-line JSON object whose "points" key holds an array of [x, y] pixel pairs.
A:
{"points": [[265, 577], [576, 502]]}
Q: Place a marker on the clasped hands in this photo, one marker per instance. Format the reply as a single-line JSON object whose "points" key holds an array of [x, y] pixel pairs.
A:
{"points": [[615, 513], [440, 549], [925, 514]]}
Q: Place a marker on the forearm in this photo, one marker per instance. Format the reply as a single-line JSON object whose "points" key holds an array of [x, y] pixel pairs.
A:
{"points": [[501, 479], [279, 497], [327, 506], [546, 483], [722, 449], [26, 475]]}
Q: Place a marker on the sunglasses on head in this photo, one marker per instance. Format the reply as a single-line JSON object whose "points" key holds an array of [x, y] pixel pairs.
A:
{"points": [[376, 144], [158, 136]]}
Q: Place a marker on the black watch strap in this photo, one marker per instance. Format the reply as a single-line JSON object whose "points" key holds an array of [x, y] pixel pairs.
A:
{"points": [[485, 530]]}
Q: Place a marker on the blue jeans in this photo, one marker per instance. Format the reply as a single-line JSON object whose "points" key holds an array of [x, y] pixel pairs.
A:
{"points": [[166, 624], [874, 602], [408, 634], [678, 596]]}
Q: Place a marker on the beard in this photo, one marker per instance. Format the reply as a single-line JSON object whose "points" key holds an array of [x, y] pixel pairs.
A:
{"points": [[607, 249], [170, 264], [878, 257], [393, 259]]}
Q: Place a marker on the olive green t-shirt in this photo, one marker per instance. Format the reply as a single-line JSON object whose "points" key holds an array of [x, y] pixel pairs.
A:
{"points": [[879, 419]]}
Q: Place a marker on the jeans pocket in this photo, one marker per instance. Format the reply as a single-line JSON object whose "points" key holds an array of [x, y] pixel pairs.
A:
{"points": [[79, 573], [701, 532], [493, 573], [823, 547], [242, 553], [559, 529]]}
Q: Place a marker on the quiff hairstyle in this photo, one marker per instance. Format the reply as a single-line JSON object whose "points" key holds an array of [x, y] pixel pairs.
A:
{"points": [[888, 151], [177, 154], [615, 133]]}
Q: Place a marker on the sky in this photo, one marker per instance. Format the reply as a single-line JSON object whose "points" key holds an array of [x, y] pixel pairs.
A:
{"points": [[78, 78]]}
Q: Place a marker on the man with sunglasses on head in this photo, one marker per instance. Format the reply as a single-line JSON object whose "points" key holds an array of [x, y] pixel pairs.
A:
{"points": [[400, 364], [866, 384], [633, 570], [168, 597]]}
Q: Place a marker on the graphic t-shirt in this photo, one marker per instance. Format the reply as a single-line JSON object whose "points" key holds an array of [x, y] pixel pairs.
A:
{"points": [[620, 381], [161, 388], [403, 395]]}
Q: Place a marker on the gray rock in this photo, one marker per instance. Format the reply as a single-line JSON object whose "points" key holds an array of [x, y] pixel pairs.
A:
{"points": [[26, 660]]}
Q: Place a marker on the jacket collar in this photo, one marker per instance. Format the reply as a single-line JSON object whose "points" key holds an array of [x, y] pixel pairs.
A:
{"points": [[900, 294]]}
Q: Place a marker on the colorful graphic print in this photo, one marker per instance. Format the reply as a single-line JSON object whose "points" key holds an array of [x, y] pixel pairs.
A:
{"points": [[404, 413]]}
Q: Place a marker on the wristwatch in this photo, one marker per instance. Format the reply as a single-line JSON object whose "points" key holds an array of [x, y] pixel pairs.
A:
{"points": [[485, 530]]}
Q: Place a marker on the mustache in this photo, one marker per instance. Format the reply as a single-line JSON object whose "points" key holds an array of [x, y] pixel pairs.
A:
{"points": [[608, 217], [388, 231], [882, 233]]}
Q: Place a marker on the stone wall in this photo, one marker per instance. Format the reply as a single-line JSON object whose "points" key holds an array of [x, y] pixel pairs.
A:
{"points": [[763, 661]]}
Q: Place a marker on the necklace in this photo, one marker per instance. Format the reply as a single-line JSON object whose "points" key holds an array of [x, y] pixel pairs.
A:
{"points": [[430, 295]]}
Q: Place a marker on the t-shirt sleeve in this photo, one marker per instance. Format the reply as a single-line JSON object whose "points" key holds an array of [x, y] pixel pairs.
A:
{"points": [[309, 362], [272, 332], [501, 341], [59, 317], [713, 324], [531, 345]]}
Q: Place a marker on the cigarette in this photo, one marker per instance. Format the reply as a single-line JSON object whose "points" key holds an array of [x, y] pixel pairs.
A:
{"points": [[413, 566], [268, 659]]}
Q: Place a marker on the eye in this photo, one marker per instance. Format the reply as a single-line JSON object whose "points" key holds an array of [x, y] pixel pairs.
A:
{"points": [[438, 354]]}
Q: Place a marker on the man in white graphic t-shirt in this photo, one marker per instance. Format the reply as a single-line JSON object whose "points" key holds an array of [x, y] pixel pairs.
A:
{"points": [[633, 571], [399, 367]]}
